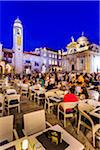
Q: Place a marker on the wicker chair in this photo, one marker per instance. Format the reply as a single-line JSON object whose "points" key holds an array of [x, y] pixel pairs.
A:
{"points": [[1, 104], [12, 101], [48, 103], [63, 106], [84, 109], [34, 122], [24, 89], [6, 130]]}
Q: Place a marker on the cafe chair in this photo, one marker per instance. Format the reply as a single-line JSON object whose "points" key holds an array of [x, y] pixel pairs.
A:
{"points": [[40, 98], [17, 85], [12, 101], [59, 93], [84, 110], [7, 133], [31, 93], [24, 89], [34, 122], [10, 91], [62, 108], [48, 102], [1, 104], [5, 88]]}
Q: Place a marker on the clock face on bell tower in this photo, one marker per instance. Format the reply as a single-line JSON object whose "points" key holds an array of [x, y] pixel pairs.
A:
{"points": [[18, 31], [18, 36]]}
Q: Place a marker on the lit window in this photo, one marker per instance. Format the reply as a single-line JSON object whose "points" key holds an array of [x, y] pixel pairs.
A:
{"points": [[55, 56], [49, 61], [59, 63], [55, 62], [44, 54], [59, 56], [44, 61], [52, 55], [49, 55], [52, 62]]}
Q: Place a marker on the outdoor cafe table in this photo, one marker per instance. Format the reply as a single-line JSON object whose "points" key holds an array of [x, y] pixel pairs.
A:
{"points": [[95, 112], [94, 103], [57, 100], [15, 145], [91, 102], [74, 144]]}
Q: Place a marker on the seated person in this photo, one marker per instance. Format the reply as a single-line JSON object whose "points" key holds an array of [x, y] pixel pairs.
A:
{"points": [[84, 91], [81, 78], [70, 97], [49, 87], [78, 88], [25, 80], [72, 89], [37, 86]]}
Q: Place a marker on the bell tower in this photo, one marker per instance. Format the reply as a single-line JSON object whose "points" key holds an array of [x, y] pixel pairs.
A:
{"points": [[18, 45]]}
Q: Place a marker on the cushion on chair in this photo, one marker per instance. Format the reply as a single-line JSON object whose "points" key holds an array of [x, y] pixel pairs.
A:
{"points": [[94, 119], [24, 91], [42, 95], [4, 142], [0, 104], [68, 111], [12, 102], [0, 111], [10, 93]]}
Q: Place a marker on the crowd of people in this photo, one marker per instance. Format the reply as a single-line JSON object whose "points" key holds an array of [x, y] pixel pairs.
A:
{"points": [[76, 82]]}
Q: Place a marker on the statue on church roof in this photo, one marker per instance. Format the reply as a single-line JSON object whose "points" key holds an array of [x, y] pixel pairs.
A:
{"points": [[72, 38], [82, 33]]}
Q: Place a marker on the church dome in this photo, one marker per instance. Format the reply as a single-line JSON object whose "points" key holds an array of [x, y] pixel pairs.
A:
{"points": [[82, 40]]}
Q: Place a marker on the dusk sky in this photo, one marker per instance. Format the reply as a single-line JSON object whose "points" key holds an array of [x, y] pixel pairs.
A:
{"points": [[49, 24]]}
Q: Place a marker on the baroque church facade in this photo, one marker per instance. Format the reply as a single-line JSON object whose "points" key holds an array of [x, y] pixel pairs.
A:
{"points": [[79, 56]]}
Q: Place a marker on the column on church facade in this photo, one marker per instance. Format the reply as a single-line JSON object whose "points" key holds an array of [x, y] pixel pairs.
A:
{"points": [[67, 65], [63, 60], [0, 51], [91, 63], [78, 64], [83, 63], [88, 63], [75, 63]]}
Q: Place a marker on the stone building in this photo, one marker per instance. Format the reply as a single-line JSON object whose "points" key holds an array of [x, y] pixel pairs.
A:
{"points": [[18, 59], [81, 56]]}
